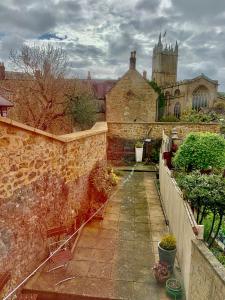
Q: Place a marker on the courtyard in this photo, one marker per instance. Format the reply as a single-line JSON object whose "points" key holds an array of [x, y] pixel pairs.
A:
{"points": [[114, 257]]}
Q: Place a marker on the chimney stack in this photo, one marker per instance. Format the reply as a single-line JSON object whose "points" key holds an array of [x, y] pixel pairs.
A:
{"points": [[2, 71], [133, 60], [144, 74], [89, 75]]}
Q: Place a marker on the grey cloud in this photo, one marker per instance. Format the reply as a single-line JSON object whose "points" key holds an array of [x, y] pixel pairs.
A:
{"points": [[86, 51], [199, 9], [26, 21], [102, 33], [148, 5], [8, 43], [145, 25]]}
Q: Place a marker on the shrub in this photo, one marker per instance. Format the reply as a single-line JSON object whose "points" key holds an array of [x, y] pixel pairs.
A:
{"points": [[168, 242], [103, 179], [155, 155], [161, 271], [139, 144], [198, 117], [201, 151], [82, 108], [206, 193]]}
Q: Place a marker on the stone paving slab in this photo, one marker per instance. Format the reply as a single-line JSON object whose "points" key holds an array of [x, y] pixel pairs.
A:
{"points": [[114, 257]]}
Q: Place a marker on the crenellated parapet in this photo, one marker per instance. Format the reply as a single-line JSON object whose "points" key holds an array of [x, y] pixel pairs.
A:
{"points": [[164, 63]]}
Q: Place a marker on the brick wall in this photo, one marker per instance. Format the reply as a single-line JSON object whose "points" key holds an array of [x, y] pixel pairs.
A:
{"points": [[44, 183], [122, 136], [207, 280]]}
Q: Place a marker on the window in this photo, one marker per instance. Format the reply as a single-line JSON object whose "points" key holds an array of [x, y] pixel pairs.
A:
{"points": [[3, 111], [167, 95], [177, 110], [177, 93], [200, 98]]}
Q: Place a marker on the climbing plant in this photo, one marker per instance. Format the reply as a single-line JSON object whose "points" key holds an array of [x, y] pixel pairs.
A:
{"points": [[161, 98]]}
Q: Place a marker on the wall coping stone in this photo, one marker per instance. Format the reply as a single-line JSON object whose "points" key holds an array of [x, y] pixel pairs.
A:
{"points": [[98, 128], [210, 258], [166, 123]]}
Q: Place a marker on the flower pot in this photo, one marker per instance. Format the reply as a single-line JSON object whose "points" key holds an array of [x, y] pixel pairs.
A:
{"points": [[138, 154], [167, 256], [161, 272], [160, 278], [173, 288]]}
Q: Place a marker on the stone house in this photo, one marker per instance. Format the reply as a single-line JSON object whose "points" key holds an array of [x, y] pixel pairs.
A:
{"points": [[5, 104], [131, 99]]}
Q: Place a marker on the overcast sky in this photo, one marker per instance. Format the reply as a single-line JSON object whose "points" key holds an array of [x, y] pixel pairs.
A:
{"points": [[99, 34]]}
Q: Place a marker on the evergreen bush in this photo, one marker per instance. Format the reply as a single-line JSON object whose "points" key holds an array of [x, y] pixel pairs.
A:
{"points": [[201, 151]]}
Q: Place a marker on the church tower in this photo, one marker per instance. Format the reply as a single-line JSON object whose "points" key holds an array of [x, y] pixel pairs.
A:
{"points": [[164, 63]]}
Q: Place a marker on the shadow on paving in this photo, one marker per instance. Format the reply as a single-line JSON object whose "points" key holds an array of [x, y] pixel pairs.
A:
{"points": [[114, 257]]}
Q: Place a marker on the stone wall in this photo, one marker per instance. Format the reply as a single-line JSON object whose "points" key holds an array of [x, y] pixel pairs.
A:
{"points": [[44, 183], [122, 136], [132, 98], [207, 280]]}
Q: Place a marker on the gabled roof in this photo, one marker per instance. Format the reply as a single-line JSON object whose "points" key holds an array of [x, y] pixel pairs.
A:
{"points": [[101, 87], [187, 81], [4, 102], [204, 77], [121, 78], [12, 75]]}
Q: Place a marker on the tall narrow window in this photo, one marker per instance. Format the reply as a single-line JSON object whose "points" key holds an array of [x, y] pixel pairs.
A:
{"points": [[200, 98], [167, 95], [177, 93], [177, 110]]}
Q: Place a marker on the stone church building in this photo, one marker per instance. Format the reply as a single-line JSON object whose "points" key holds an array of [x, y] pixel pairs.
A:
{"points": [[200, 92]]}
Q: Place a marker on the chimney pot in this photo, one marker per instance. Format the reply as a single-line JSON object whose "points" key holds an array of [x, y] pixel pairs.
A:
{"points": [[89, 75], [2, 71], [145, 74], [133, 60]]}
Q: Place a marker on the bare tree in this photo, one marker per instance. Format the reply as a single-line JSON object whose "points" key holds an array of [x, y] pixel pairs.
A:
{"points": [[40, 93]]}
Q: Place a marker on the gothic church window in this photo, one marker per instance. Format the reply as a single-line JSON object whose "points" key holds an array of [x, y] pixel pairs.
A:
{"points": [[200, 98], [167, 95], [177, 93], [177, 110]]}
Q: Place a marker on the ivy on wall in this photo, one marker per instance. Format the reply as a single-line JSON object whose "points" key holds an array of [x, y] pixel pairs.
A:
{"points": [[161, 98]]}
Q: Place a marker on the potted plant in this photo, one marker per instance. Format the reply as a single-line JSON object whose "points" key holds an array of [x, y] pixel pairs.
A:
{"points": [[167, 250], [139, 151], [173, 288], [161, 272]]}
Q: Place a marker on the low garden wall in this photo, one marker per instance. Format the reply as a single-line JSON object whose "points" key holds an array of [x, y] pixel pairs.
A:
{"points": [[44, 183], [122, 136], [203, 275]]}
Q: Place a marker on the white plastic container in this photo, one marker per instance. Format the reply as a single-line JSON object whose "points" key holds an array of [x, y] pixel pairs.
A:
{"points": [[138, 154]]}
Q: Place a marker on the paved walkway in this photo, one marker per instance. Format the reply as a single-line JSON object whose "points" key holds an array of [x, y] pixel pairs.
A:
{"points": [[114, 257]]}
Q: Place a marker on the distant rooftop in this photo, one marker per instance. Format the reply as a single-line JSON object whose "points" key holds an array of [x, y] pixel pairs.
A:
{"points": [[4, 102]]}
